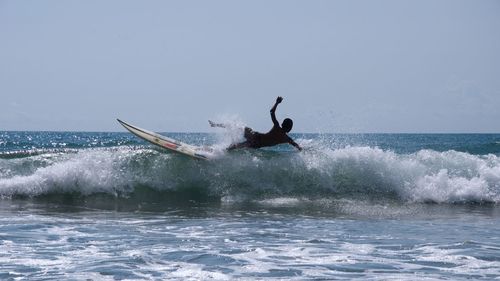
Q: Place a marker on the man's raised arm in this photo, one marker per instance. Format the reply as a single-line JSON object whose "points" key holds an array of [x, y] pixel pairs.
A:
{"points": [[273, 110]]}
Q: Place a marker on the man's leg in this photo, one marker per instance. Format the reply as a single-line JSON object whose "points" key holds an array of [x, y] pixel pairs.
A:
{"points": [[249, 134], [238, 145], [220, 125]]}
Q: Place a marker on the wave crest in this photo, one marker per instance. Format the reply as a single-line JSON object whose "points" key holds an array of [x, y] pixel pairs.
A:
{"points": [[349, 172]]}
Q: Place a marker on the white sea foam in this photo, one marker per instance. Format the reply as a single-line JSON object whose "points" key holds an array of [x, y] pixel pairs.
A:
{"points": [[86, 172], [423, 176], [427, 175], [264, 246]]}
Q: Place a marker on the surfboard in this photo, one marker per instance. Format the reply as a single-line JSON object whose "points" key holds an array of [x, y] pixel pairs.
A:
{"points": [[168, 143]]}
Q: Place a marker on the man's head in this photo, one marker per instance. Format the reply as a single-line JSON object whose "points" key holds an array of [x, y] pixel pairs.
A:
{"points": [[287, 125]]}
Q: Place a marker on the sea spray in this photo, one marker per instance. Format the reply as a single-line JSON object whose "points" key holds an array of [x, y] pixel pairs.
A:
{"points": [[349, 172], [92, 205]]}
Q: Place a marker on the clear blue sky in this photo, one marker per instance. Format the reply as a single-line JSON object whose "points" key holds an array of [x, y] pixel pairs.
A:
{"points": [[342, 66]]}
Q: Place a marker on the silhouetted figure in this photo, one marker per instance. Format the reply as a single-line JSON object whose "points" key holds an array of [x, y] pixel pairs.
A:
{"points": [[277, 134]]}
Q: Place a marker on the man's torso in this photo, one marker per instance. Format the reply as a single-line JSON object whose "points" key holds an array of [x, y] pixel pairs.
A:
{"points": [[275, 136]]}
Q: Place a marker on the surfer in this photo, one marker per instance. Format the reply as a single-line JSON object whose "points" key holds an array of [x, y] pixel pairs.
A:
{"points": [[277, 134]]}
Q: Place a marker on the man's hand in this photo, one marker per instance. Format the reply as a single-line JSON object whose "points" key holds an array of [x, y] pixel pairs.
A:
{"points": [[279, 99]]}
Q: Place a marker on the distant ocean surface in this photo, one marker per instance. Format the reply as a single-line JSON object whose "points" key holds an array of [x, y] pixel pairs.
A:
{"points": [[109, 206]]}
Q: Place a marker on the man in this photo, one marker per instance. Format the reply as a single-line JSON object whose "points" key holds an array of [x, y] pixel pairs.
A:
{"points": [[277, 134]]}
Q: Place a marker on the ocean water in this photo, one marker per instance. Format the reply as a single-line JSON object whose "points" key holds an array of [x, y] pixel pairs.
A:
{"points": [[108, 206]]}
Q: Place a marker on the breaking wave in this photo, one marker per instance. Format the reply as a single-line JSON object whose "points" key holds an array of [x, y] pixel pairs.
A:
{"points": [[350, 172]]}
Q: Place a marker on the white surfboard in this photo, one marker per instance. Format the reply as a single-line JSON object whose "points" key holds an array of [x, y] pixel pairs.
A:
{"points": [[168, 143]]}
